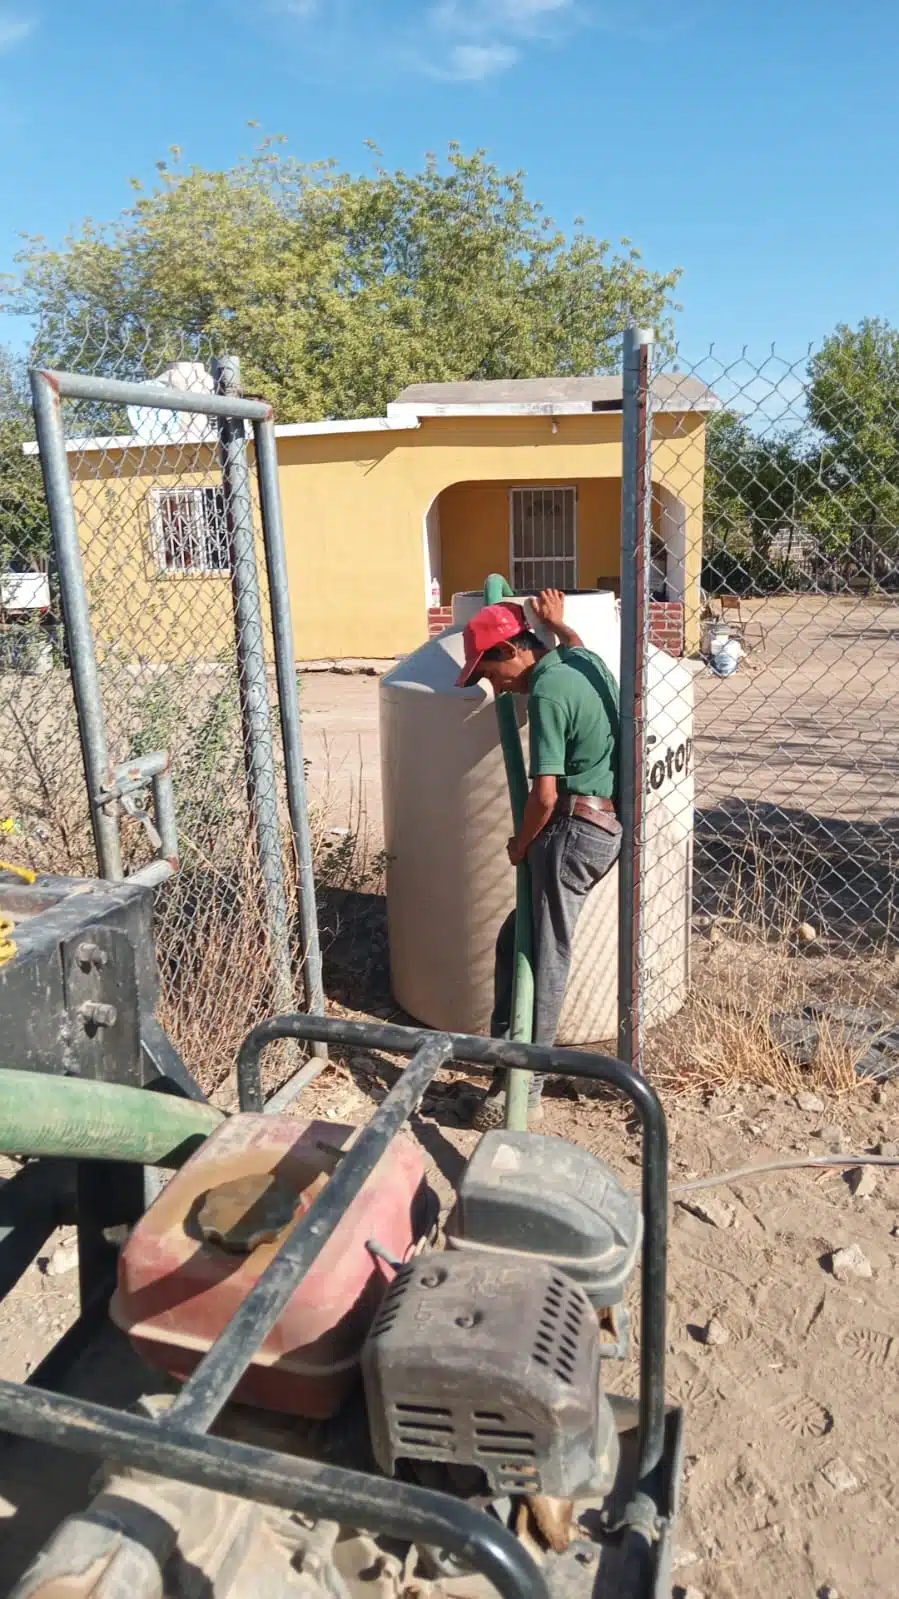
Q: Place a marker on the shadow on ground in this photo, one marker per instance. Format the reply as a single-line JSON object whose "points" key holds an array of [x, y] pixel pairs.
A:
{"points": [[769, 866], [355, 961]]}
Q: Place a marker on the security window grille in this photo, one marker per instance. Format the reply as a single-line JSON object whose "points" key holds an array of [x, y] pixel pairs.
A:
{"points": [[544, 538], [190, 530]]}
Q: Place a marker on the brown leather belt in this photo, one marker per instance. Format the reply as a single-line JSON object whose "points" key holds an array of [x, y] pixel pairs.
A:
{"points": [[589, 808]]}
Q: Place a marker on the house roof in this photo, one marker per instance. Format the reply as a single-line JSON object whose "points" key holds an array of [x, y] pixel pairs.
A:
{"points": [[672, 391]]}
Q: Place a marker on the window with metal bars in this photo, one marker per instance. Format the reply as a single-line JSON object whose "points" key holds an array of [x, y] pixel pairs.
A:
{"points": [[190, 530], [543, 538]]}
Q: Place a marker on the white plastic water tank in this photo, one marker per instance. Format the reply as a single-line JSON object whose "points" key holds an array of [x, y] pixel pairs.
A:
{"points": [[447, 819]]}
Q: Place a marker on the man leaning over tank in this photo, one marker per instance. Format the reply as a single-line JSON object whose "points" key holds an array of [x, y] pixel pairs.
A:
{"points": [[570, 834]]}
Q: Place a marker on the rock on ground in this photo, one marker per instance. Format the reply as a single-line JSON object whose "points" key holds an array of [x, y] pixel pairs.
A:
{"points": [[839, 1476], [863, 1182], [709, 1209], [811, 1103], [850, 1262], [715, 1332], [63, 1259]]}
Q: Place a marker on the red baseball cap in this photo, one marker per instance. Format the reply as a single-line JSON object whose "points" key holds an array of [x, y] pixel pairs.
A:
{"points": [[492, 625]]}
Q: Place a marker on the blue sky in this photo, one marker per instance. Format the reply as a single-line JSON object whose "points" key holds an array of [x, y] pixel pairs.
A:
{"points": [[753, 144]]}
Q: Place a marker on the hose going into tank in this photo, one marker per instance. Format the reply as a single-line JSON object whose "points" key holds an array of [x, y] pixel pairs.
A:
{"points": [[497, 589]]}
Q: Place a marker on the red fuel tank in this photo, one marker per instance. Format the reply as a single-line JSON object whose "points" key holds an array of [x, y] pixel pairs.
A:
{"points": [[204, 1243]]}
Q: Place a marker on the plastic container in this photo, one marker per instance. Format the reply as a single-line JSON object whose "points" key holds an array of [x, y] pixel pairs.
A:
{"points": [[725, 657], [447, 819], [204, 1243], [714, 634]]}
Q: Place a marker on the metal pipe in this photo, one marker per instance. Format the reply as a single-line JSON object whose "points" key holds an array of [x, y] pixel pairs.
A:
{"points": [[289, 705], [151, 875], [251, 676], [497, 589], [133, 777], [211, 1384], [158, 396], [636, 512], [166, 818], [375, 1504], [130, 776], [291, 1090], [489, 1054], [45, 392]]}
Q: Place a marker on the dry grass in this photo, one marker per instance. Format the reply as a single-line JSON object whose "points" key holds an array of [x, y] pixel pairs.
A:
{"points": [[214, 967], [722, 1039], [752, 968], [210, 928]]}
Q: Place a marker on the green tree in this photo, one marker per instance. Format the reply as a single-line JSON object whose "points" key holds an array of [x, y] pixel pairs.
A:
{"points": [[853, 401], [24, 528], [336, 290], [755, 486]]}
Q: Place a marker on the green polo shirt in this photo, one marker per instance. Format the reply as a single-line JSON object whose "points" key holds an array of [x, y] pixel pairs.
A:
{"points": [[573, 722]]}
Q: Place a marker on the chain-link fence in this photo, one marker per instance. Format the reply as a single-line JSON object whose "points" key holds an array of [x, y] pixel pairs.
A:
{"points": [[771, 824], [774, 552], [176, 576]]}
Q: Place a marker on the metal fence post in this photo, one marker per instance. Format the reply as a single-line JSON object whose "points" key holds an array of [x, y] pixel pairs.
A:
{"points": [[636, 522], [288, 700], [76, 614], [251, 674]]}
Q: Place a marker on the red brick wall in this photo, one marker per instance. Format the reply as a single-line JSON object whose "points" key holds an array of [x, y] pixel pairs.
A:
{"points": [[666, 626], [439, 617]]}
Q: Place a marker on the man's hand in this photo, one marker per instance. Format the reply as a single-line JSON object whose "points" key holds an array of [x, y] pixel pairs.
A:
{"points": [[549, 608], [541, 803]]}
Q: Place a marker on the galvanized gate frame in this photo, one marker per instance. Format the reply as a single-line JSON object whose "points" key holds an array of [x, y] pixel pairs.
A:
{"points": [[108, 788]]}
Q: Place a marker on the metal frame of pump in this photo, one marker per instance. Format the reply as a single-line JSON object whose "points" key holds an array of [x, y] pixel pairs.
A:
{"points": [[177, 1445]]}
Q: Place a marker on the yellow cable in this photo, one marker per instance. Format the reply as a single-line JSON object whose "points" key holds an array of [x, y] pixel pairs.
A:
{"points": [[7, 942], [20, 871]]}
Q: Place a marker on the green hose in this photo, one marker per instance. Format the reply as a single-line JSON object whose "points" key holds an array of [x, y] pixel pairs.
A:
{"points": [[522, 1029], [73, 1119]]}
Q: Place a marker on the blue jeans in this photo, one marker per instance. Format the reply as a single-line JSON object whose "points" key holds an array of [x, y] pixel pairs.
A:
{"points": [[566, 860]]}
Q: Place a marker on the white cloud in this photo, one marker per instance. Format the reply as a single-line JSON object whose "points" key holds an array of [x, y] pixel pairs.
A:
{"points": [[465, 41], [470, 62], [474, 39], [14, 30]]}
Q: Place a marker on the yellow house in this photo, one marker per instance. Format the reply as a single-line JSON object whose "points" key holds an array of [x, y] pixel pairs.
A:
{"points": [[387, 517]]}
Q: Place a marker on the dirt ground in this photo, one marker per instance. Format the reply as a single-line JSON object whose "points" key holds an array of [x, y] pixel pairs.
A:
{"points": [[792, 1464]]}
